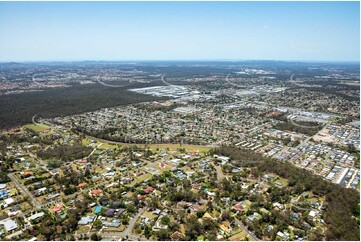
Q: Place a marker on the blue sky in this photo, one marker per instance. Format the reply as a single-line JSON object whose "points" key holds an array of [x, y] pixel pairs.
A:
{"points": [[38, 31]]}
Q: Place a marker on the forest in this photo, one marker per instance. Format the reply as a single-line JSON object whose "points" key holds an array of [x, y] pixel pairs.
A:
{"points": [[65, 152], [18, 109], [288, 125]]}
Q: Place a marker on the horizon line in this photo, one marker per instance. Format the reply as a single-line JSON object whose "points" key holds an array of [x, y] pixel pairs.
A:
{"points": [[174, 60]]}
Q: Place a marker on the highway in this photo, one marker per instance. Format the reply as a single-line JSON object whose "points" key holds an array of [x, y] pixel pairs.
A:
{"points": [[291, 78], [165, 82], [108, 85]]}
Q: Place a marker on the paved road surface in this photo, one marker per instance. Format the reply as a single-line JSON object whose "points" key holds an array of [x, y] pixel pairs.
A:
{"points": [[252, 235], [220, 175], [165, 82], [24, 190], [93, 151], [130, 227], [126, 234], [108, 85]]}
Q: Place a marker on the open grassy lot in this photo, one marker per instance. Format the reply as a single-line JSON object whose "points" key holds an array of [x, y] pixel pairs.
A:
{"points": [[37, 127], [83, 228], [149, 215], [177, 146], [283, 181], [153, 146], [12, 192], [129, 194], [108, 145], [239, 234], [156, 166], [187, 169], [85, 142], [25, 206], [140, 179], [247, 205], [114, 230]]}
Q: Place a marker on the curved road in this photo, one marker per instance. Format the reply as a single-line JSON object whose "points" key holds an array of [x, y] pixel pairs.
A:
{"points": [[291, 78], [126, 233], [33, 80], [304, 126], [33, 120], [165, 82], [108, 85]]}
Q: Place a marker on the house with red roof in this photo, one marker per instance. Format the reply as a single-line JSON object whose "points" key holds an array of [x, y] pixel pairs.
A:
{"points": [[81, 185], [96, 193], [238, 207], [197, 186], [82, 161], [149, 190], [27, 173], [57, 208]]}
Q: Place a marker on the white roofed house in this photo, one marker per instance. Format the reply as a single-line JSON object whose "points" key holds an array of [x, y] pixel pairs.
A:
{"points": [[9, 201], [10, 225]]}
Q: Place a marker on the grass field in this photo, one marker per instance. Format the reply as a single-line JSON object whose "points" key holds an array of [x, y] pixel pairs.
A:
{"points": [[37, 127], [140, 179], [177, 146], [85, 142], [149, 215], [238, 234], [154, 146], [247, 205], [283, 181]]}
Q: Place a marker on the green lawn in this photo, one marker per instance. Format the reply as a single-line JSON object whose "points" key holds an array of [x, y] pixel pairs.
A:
{"points": [[140, 179], [283, 181], [247, 205], [85, 142], [176, 146], [149, 215], [37, 127], [238, 235]]}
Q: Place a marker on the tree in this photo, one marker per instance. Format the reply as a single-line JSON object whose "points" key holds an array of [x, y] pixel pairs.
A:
{"points": [[147, 232], [165, 220], [163, 234], [94, 237], [98, 224]]}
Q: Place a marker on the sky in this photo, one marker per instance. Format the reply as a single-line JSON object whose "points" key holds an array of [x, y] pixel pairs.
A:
{"points": [[55, 31]]}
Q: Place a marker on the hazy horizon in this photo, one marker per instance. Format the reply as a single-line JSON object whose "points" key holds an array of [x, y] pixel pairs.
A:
{"points": [[180, 31]]}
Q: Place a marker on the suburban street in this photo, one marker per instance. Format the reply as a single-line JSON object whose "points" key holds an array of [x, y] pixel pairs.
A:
{"points": [[130, 227], [220, 175], [24, 190], [126, 234], [252, 235]]}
